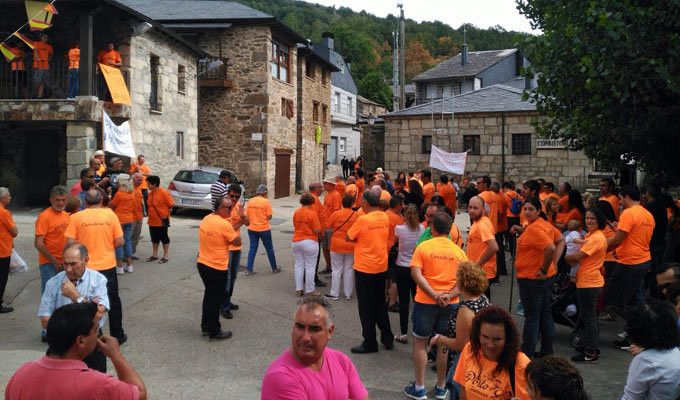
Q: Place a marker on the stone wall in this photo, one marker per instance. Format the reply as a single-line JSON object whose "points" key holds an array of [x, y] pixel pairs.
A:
{"points": [[403, 144], [155, 132], [373, 146]]}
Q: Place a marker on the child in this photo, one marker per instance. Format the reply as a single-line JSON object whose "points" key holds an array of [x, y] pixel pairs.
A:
{"points": [[574, 241]]}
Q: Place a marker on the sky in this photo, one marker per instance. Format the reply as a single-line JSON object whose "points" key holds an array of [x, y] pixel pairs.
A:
{"points": [[481, 13]]}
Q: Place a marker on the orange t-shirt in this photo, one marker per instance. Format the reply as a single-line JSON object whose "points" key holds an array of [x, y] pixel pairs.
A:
{"points": [[351, 189], [305, 222], [542, 196], [138, 205], [588, 274], [395, 219], [449, 194], [479, 379], [42, 52], [233, 219], [574, 213], [159, 203], [109, 57], [530, 247], [340, 188], [142, 169], [615, 202], [97, 229], [6, 238], [502, 225], [609, 232], [564, 203], [18, 63], [480, 233], [258, 211], [215, 234], [123, 204], [74, 58], [319, 209], [428, 192], [456, 237], [340, 222], [438, 258], [360, 184], [491, 199], [370, 249], [639, 224], [51, 225], [332, 202]]}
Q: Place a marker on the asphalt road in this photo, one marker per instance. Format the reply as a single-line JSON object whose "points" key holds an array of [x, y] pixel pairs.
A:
{"points": [[162, 306]]}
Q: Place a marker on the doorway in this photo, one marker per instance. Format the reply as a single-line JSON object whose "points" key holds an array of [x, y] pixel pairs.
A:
{"points": [[333, 151], [44, 159], [282, 175]]}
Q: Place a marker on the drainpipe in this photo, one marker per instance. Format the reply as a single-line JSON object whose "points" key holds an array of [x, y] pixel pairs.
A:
{"points": [[502, 148]]}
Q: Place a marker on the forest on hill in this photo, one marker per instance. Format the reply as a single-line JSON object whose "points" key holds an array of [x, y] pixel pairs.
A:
{"points": [[366, 40]]}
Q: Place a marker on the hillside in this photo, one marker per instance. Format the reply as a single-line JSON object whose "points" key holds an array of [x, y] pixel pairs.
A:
{"points": [[366, 40]]}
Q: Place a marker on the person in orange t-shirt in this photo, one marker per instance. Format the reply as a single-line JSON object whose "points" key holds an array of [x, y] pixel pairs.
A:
{"points": [[123, 204], [332, 202], [8, 231], [631, 242], [143, 169], [607, 193], [589, 281], [539, 245], [259, 212], [360, 183], [428, 186], [370, 232], [237, 219], [110, 57], [395, 217], [19, 81], [447, 191], [513, 218], [137, 213], [42, 54], [49, 235], [576, 211], [501, 229], [215, 236], [481, 244], [305, 245], [563, 190], [73, 58], [160, 204], [434, 266], [342, 251], [340, 185], [351, 188], [490, 199], [316, 190]]}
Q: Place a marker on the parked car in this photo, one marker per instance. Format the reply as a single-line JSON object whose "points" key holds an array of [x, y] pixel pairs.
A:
{"points": [[190, 188]]}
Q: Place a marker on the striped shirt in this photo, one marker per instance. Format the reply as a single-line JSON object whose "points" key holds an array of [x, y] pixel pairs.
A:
{"points": [[217, 190]]}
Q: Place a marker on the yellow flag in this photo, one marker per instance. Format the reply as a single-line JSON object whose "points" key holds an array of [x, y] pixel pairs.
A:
{"points": [[24, 39], [39, 17], [7, 52], [37, 25], [116, 84]]}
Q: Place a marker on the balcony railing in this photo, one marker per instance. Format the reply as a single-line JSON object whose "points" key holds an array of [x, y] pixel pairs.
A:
{"points": [[23, 85], [212, 71]]}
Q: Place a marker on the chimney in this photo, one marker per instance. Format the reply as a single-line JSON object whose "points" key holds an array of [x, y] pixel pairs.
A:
{"points": [[464, 51], [327, 39]]}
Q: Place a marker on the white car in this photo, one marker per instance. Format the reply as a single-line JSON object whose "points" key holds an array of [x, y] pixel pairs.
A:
{"points": [[190, 188]]}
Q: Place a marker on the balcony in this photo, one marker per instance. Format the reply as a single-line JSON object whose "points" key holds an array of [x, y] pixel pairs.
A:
{"points": [[212, 72]]}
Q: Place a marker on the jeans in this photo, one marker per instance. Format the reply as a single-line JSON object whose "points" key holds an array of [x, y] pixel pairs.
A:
{"points": [[234, 262], [372, 308], [116, 310], [47, 271], [501, 268], [215, 282], [305, 252], [429, 319], [626, 286], [73, 76], [535, 297], [126, 250], [342, 270], [4, 275], [254, 238], [587, 305], [406, 290]]}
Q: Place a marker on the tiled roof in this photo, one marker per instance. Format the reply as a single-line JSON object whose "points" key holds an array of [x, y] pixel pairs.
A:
{"points": [[343, 78], [477, 62], [196, 10], [491, 99]]}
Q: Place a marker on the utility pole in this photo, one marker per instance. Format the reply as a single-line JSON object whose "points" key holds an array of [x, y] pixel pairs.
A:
{"points": [[402, 34], [395, 71]]}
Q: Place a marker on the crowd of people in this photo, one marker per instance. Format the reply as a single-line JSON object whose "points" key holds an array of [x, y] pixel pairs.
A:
{"points": [[393, 244]]}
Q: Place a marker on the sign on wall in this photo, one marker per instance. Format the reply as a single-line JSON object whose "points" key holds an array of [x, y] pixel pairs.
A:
{"points": [[450, 162], [117, 138], [550, 144]]}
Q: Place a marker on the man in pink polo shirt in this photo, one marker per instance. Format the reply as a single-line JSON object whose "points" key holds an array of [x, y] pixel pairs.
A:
{"points": [[308, 369], [62, 374]]}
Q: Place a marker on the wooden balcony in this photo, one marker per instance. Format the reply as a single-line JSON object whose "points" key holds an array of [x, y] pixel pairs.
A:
{"points": [[212, 72]]}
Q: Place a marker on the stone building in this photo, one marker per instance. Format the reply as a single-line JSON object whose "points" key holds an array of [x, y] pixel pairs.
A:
{"points": [[372, 129], [47, 141], [248, 106], [493, 125]]}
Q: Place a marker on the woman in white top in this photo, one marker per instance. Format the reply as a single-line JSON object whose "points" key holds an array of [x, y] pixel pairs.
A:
{"points": [[406, 236]]}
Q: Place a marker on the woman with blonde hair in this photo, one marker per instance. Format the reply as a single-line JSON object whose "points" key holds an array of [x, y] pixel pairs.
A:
{"points": [[552, 208], [123, 204]]}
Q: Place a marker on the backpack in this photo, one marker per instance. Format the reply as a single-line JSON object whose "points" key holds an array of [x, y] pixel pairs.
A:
{"points": [[515, 205]]}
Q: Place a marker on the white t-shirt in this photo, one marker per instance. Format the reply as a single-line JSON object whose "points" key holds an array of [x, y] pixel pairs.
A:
{"points": [[407, 239]]}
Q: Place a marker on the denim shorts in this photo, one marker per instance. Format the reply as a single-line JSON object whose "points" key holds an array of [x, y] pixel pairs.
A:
{"points": [[429, 319]]}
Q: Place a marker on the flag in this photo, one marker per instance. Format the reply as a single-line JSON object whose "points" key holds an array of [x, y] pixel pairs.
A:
{"points": [[50, 8], [317, 134], [38, 17], [450, 162], [24, 39], [8, 52], [38, 25]]}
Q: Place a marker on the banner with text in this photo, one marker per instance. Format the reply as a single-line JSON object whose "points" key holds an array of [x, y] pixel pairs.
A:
{"points": [[117, 138], [450, 162], [116, 84]]}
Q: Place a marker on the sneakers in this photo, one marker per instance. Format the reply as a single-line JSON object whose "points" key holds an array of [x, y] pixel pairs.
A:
{"points": [[440, 393], [348, 298], [519, 309], [129, 269], [585, 359], [250, 273], [401, 339], [120, 271], [411, 392], [623, 344], [328, 296]]}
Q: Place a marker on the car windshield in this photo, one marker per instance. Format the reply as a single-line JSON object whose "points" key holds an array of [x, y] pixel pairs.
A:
{"points": [[201, 177]]}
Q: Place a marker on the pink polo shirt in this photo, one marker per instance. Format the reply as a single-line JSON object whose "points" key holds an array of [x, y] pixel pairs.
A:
{"points": [[55, 379], [287, 379]]}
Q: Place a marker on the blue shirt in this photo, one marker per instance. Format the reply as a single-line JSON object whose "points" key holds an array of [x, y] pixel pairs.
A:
{"points": [[92, 284]]}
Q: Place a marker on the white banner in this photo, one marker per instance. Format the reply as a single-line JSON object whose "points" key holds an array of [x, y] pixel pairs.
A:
{"points": [[450, 162], [117, 138]]}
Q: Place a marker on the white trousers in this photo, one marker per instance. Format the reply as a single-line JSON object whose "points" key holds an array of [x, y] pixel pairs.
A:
{"points": [[305, 253], [342, 269]]}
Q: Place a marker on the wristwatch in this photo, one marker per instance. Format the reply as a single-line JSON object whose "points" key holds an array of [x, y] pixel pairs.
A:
{"points": [[80, 299]]}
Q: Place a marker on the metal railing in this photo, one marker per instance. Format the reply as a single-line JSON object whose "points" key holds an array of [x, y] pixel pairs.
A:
{"points": [[212, 68]]}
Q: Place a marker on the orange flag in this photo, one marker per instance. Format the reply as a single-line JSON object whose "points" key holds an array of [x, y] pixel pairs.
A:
{"points": [[51, 8], [37, 25], [8, 52], [24, 39]]}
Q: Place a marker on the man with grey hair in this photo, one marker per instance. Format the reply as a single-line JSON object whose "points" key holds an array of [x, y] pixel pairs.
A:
{"points": [[8, 231], [259, 212], [370, 232], [309, 369], [76, 284], [49, 235]]}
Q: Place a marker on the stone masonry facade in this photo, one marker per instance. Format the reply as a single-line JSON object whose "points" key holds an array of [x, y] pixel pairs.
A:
{"points": [[404, 142]]}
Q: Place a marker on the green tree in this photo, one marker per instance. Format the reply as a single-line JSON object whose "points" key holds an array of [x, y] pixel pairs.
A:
{"points": [[609, 79], [373, 87]]}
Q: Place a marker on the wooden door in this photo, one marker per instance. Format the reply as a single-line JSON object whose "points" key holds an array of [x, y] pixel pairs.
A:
{"points": [[282, 176]]}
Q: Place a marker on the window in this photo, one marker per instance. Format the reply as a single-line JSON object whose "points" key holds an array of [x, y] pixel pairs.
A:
{"points": [[350, 105], [471, 144], [342, 144], [287, 108], [179, 145], [315, 112], [310, 69], [521, 144], [279, 63], [181, 79], [324, 114], [337, 102], [440, 90], [155, 97], [425, 144], [324, 77], [456, 88]]}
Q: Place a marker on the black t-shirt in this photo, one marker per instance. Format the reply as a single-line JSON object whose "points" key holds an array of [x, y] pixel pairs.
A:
{"points": [[113, 180]]}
